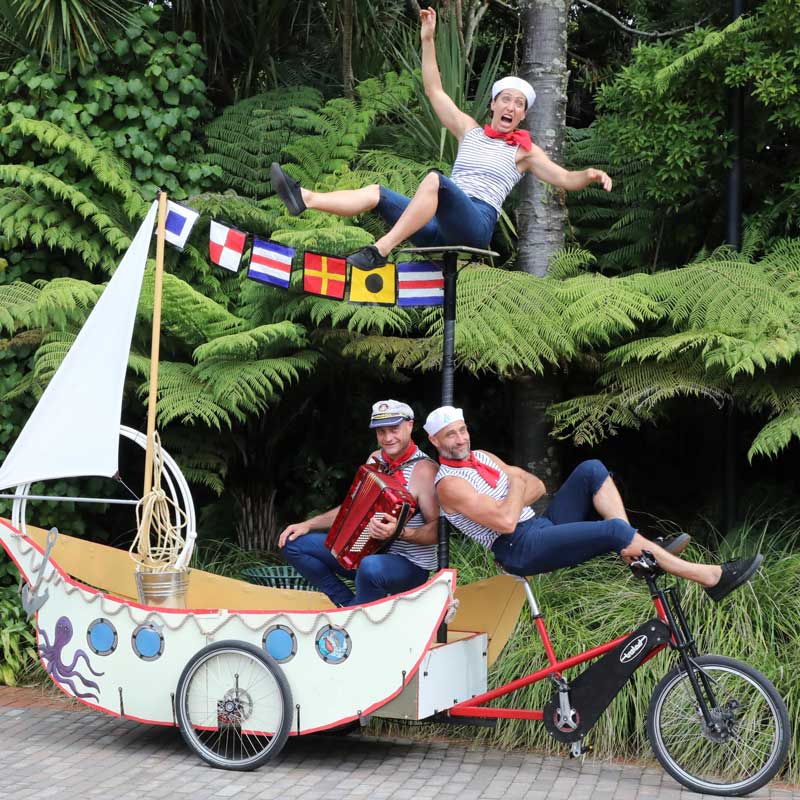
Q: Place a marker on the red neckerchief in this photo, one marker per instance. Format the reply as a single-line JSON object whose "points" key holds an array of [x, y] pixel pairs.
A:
{"points": [[514, 138], [392, 465], [489, 474]]}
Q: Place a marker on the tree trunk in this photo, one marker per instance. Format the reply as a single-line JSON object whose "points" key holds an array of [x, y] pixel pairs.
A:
{"points": [[348, 80], [541, 215]]}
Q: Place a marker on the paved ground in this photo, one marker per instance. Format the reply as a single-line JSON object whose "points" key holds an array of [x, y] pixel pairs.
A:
{"points": [[51, 748]]}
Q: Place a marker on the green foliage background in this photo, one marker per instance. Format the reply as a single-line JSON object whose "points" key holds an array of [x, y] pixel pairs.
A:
{"points": [[645, 311]]}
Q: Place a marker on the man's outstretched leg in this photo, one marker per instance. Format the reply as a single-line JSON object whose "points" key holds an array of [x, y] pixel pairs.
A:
{"points": [[590, 488]]}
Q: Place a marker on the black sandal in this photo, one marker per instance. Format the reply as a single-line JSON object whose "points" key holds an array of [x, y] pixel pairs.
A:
{"points": [[734, 574], [287, 189]]}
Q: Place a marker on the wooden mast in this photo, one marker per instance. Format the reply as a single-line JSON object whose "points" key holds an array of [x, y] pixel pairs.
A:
{"points": [[144, 540]]}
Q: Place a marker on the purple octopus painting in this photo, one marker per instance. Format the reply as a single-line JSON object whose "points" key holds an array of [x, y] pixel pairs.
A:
{"points": [[65, 673]]}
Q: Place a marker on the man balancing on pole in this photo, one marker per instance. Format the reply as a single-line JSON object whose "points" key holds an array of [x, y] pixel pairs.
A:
{"points": [[410, 557], [490, 501], [464, 208]]}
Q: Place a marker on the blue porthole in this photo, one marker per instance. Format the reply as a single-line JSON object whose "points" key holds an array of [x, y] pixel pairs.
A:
{"points": [[333, 644], [102, 637], [280, 642], [147, 642]]}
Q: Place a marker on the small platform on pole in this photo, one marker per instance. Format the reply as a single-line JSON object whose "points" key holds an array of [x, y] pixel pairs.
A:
{"points": [[450, 256]]}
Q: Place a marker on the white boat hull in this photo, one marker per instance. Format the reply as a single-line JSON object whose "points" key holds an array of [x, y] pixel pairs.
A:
{"points": [[126, 659]]}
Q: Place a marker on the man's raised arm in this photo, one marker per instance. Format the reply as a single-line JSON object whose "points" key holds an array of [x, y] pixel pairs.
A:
{"points": [[450, 115]]}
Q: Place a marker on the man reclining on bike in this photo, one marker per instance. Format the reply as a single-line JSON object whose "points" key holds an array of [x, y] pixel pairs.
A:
{"points": [[490, 501]]}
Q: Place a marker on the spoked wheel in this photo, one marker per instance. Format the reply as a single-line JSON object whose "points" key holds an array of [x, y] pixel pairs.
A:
{"points": [[234, 706], [745, 745]]}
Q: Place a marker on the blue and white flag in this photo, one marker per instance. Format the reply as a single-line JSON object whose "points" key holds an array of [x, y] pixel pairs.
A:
{"points": [[180, 221], [271, 262], [420, 283]]}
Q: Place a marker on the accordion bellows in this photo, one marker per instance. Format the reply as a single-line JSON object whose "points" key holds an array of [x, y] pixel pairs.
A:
{"points": [[373, 492]]}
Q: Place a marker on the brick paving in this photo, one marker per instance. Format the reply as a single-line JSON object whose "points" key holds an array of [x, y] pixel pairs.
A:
{"points": [[51, 746]]}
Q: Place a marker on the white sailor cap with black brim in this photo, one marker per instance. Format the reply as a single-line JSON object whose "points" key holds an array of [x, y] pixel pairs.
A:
{"points": [[390, 412]]}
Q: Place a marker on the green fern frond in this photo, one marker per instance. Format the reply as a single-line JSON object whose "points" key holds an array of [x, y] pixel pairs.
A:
{"points": [[777, 434], [17, 301], [63, 302], [246, 388], [643, 387], [589, 419], [250, 344], [110, 172], [569, 262], [599, 309], [186, 313], [182, 396], [48, 358], [712, 41], [83, 206]]}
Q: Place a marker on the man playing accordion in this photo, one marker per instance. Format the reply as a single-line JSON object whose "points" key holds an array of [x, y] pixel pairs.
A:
{"points": [[406, 562]]}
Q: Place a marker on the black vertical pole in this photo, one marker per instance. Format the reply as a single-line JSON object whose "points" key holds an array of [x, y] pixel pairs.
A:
{"points": [[448, 352], [734, 239]]}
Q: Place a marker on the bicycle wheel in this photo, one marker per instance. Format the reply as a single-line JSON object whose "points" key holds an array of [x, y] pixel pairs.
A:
{"points": [[233, 705], [752, 739]]}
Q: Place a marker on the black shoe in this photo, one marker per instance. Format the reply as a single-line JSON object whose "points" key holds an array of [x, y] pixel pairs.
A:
{"points": [[368, 257], [734, 574], [673, 544], [287, 189]]}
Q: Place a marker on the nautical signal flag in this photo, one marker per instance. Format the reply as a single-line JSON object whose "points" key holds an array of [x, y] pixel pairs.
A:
{"points": [[375, 285], [324, 275], [420, 283], [271, 262], [225, 246], [180, 221]]}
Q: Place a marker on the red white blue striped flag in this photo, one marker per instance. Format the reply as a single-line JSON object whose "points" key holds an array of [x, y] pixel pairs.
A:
{"points": [[271, 262], [420, 283]]}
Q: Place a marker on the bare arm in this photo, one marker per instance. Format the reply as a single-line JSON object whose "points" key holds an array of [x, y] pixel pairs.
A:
{"points": [[537, 163], [423, 489], [450, 115], [534, 488], [457, 495]]}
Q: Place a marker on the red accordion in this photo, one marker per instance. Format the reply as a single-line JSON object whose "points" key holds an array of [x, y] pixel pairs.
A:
{"points": [[373, 492]]}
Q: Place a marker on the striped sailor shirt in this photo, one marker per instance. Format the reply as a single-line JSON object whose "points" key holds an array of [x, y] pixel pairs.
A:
{"points": [[485, 168], [423, 555], [481, 534]]}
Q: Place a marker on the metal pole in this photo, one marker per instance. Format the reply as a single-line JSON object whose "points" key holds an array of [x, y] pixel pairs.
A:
{"points": [[734, 239], [450, 269]]}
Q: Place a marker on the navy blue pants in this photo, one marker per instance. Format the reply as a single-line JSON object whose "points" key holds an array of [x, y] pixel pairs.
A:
{"points": [[377, 576], [564, 535], [460, 219]]}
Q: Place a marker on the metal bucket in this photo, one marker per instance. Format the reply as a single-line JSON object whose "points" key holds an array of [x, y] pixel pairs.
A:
{"points": [[162, 589]]}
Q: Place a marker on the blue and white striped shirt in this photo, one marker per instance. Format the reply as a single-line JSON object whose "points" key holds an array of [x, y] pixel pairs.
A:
{"points": [[476, 531], [423, 555], [485, 168]]}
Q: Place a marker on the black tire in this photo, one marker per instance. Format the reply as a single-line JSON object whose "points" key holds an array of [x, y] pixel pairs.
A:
{"points": [[755, 736], [222, 689]]}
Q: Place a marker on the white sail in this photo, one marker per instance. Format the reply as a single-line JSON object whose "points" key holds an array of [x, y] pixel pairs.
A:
{"points": [[74, 429]]}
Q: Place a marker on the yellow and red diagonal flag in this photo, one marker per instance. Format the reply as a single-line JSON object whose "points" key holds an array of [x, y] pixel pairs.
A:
{"points": [[324, 275]]}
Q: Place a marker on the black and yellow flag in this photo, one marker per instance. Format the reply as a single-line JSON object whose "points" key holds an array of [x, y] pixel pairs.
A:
{"points": [[373, 285]]}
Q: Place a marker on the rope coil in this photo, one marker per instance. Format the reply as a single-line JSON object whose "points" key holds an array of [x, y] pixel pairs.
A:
{"points": [[158, 541]]}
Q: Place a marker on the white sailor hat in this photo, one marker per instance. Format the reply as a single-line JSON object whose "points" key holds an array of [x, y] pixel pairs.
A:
{"points": [[441, 417], [512, 82], [390, 412]]}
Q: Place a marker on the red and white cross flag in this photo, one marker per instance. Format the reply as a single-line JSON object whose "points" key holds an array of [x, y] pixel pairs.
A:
{"points": [[226, 246]]}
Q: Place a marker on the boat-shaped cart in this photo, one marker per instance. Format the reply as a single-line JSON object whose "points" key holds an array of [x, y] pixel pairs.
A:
{"points": [[244, 667]]}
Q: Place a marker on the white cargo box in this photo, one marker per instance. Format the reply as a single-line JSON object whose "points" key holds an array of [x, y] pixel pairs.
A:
{"points": [[449, 673]]}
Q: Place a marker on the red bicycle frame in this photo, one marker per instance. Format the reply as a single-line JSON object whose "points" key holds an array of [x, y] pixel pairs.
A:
{"points": [[475, 706]]}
